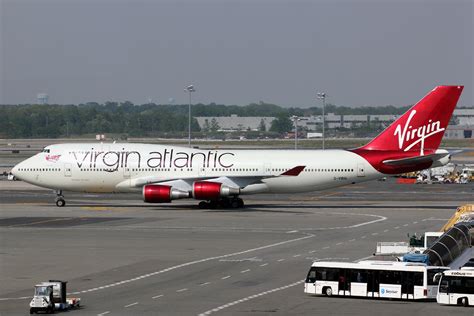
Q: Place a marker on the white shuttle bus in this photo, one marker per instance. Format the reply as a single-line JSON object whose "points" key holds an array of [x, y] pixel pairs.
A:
{"points": [[373, 279], [456, 287]]}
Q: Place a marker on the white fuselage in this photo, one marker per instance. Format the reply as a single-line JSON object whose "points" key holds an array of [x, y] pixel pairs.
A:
{"points": [[105, 167]]}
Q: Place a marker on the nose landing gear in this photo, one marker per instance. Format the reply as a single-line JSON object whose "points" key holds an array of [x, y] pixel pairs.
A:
{"points": [[60, 201]]}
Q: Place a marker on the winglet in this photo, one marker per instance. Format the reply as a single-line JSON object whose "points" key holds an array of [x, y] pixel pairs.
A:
{"points": [[293, 171]]}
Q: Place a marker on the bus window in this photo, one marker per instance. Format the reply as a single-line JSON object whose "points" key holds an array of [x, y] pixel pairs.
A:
{"points": [[469, 286], [311, 278], [431, 274], [359, 276], [418, 278], [444, 285], [390, 277], [455, 286], [327, 274]]}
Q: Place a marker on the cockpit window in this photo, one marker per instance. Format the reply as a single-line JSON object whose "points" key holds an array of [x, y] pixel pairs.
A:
{"points": [[45, 150]]}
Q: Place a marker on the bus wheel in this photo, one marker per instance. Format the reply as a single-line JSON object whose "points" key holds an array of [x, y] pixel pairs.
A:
{"points": [[464, 302], [328, 291]]}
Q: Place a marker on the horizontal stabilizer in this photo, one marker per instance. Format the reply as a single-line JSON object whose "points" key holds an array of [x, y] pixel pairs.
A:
{"points": [[415, 160]]}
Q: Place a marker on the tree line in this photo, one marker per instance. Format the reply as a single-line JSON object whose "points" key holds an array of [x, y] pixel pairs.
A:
{"points": [[128, 119]]}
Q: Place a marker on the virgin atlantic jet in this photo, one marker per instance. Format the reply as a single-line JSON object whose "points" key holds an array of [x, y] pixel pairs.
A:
{"points": [[220, 177]]}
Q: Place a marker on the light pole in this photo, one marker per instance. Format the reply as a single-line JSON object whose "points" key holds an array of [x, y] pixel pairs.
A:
{"points": [[322, 96], [189, 89], [295, 120]]}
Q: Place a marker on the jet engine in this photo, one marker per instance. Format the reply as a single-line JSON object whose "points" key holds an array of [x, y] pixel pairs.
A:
{"points": [[205, 190], [155, 193]]}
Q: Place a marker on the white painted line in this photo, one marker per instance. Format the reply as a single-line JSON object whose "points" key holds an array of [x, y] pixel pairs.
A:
{"points": [[15, 298], [327, 247], [405, 225], [141, 277], [186, 264], [181, 290], [396, 227], [245, 271], [352, 240], [280, 260], [339, 243], [374, 234], [203, 284], [385, 231], [158, 296], [415, 222], [295, 256], [226, 277], [265, 264], [363, 237], [136, 303], [104, 313], [312, 251], [292, 232], [217, 309]]}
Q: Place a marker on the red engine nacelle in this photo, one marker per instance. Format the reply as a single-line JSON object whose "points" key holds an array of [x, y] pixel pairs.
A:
{"points": [[205, 190], [155, 193]]}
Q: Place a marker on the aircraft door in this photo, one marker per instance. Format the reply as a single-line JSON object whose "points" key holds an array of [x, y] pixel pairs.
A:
{"points": [[360, 170], [67, 170], [267, 169], [126, 172]]}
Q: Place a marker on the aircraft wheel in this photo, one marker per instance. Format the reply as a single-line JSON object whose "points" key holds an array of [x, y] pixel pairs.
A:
{"points": [[60, 202], [203, 205], [234, 204], [240, 202], [212, 205]]}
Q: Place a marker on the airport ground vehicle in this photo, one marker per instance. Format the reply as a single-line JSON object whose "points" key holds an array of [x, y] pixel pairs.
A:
{"points": [[456, 287], [373, 279], [51, 296]]}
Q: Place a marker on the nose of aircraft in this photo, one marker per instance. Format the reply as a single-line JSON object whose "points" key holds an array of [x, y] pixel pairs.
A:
{"points": [[14, 171]]}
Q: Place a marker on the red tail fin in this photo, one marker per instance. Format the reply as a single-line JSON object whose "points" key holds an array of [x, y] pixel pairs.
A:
{"points": [[422, 127]]}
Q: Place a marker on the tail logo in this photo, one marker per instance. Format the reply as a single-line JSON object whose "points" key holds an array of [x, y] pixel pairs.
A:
{"points": [[419, 134]]}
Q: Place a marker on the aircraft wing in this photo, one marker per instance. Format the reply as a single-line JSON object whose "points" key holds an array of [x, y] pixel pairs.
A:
{"points": [[232, 181]]}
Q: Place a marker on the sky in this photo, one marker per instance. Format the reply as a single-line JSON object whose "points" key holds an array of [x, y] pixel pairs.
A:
{"points": [[360, 52]]}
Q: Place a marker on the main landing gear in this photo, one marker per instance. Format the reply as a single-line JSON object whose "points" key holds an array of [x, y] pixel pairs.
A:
{"points": [[60, 201], [222, 203]]}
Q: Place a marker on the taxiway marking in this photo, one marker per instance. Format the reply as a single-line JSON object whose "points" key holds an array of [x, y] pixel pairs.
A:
{"points": [[209, 312], [141, 277], [130, 305]]}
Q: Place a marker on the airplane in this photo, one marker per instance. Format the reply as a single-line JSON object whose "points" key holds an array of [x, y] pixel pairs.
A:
{"points": [[218, 178]]}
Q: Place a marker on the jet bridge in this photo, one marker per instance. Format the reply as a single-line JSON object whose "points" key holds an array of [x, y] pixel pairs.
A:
{"points": [[453, 248]]}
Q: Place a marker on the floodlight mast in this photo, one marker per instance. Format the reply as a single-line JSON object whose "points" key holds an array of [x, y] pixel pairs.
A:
{"points": [[322, 96], [190, 89]]}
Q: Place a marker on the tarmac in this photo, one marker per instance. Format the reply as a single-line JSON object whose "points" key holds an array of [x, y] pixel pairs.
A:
{"points": [[125, 257]]}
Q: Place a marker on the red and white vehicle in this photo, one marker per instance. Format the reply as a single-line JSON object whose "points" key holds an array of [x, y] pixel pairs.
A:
{"points": [[164, 173]]}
